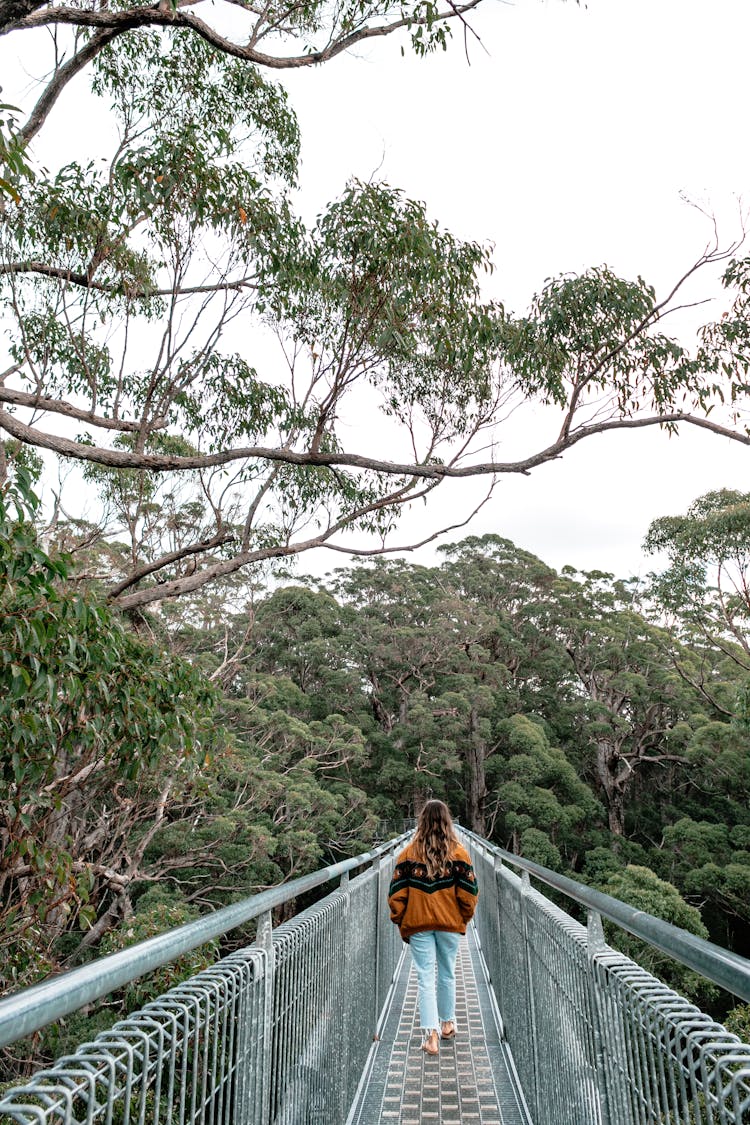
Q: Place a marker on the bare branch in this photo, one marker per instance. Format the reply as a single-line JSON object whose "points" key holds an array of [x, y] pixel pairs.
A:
{"points": [[85, 281], [163, 462], [166, 560], [399, 549], [59, 406], [117, 22], [59, 80]]}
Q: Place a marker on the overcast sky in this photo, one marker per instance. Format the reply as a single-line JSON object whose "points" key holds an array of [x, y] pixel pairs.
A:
{"points": [[568, 139]]}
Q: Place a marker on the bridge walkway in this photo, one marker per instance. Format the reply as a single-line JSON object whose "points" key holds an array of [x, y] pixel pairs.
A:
{"points": [[280, 1033], [471, 1082]]}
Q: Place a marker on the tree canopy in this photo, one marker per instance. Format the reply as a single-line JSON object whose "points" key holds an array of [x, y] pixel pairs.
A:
{"points": [[552, 711], [143, 292]]}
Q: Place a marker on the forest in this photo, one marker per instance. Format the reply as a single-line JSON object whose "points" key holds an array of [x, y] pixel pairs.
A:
{"points": [[190, 376], [592, 724]]}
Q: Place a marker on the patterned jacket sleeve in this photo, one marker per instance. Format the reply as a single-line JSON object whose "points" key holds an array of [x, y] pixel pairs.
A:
{"points": [[467, 891], [398, 892]]}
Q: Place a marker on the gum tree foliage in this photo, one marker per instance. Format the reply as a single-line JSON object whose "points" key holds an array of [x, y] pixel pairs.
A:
{"points": [[511, 591], [711, 862], [402, 635], [141, 291], [448, 656], [642, 888], [12, 163], [705, 593], [548, 811], [97, 728], [637, 713], [578, 655], [282, 793]]}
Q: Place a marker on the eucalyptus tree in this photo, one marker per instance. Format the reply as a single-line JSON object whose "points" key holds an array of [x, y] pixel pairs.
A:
{"points": [[402, 635], [636, 713], [141, 292], [515, 590], [448, 654], [99, 731], [514, 651], [543, 809], [704, 595], [284, 792]]}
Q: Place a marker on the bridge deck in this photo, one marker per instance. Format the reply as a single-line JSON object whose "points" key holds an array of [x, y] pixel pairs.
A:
{"points": [[472, 1080]]}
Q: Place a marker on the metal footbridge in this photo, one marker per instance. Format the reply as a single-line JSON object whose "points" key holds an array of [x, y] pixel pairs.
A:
{"points": [[316, 1023]]}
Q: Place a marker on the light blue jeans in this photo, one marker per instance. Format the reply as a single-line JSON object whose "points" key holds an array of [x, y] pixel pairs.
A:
{"points": [[428, 949]]}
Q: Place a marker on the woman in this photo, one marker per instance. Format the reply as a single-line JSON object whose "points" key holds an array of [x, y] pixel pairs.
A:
{"points": [[432, 896]]}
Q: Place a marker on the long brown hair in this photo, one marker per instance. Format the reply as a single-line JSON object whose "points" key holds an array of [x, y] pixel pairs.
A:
{"points": [[435, 837]]}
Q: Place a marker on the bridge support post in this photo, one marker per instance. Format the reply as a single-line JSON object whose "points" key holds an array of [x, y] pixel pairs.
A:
{"points": [[377, 868], [264, 942], [349, 992], [596, 945], [531, 1004], [499, 989]]}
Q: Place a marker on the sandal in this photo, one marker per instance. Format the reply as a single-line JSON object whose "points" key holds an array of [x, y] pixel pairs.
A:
{"points": [[450, 1033], [430, 1044]]}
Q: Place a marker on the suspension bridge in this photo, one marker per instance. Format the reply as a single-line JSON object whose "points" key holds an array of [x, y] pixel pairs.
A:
{"points": [[316, 1023]]}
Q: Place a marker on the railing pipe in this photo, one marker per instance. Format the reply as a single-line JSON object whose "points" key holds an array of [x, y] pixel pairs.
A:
{"points": [[33, 1008], [724, 968]]}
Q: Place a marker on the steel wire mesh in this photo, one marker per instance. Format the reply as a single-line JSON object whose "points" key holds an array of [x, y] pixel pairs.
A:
{"points": [[271, 1034], [332, 965], [280, 1033], [182, 1058], [596, 1039]]}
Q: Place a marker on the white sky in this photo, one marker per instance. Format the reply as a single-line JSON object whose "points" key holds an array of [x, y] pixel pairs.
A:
{"points": [[566, 143]]}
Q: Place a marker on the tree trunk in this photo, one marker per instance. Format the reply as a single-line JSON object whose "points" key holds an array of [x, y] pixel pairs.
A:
{"points": [[616, 813], [476, 782], [613, 785]]}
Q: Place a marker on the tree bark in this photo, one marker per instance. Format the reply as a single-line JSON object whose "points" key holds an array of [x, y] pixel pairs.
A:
{"points": [[476, 782], [13, 10], [613, 785]]}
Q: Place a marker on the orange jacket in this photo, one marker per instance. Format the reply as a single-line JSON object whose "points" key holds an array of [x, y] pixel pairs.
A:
{"points": [[418, 902]]}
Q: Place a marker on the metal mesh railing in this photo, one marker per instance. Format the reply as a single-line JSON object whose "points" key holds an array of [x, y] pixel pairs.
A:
{"points": [[597, 1040], [194, 1054], [278, 1032], [323, 1031]]}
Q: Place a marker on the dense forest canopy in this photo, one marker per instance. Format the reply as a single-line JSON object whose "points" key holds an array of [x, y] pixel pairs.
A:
{"points": [[571, 717]]}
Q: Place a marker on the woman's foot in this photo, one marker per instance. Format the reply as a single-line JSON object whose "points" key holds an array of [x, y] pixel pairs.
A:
{"points": [[430, 1045], [448, 1029]]}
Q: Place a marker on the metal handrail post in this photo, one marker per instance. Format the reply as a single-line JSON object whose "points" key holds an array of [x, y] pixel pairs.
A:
{"points": [[525, 888], [264, 942], [595, 946], [349, 990], [500, 985], [377, 865]]}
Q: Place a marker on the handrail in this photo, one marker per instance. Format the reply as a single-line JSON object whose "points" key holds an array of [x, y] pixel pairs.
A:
{"points": [[724, 968], [33, 1008]]}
